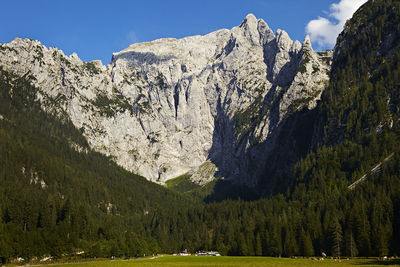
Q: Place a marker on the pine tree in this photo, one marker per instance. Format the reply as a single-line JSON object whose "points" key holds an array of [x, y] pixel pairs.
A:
{"points": [[306, 246], [382, 243], [350, 243], [258, 246], [243, 246], [290, 247], [336, 238]]}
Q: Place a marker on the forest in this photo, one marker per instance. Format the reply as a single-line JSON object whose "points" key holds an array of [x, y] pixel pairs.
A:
{"points": [[59, 198]]}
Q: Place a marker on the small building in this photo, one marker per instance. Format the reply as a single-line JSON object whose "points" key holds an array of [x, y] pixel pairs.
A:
{"points": [[184, 253], [207, 253]]}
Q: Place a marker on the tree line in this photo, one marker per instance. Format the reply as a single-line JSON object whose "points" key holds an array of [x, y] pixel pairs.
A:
{"points": [[58, 201]]}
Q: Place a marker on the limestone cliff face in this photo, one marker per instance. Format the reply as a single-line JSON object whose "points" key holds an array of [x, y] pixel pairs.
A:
{"points": [[207, 105]]}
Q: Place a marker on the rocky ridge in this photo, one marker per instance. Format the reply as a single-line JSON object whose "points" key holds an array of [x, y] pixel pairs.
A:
{"points": [[206, 105]]}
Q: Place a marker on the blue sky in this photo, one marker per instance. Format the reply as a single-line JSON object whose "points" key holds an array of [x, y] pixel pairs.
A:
{"points": [[95, 29]]}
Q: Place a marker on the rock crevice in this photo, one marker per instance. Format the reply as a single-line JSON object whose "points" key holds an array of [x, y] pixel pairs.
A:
{"points": [[167, 107]]}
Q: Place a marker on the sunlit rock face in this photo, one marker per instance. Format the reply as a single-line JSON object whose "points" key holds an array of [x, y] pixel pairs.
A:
{"points": [[205, 105]]}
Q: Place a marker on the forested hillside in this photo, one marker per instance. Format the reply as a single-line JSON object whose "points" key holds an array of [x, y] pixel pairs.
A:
{"points": [[357, 128], [58, 197]]}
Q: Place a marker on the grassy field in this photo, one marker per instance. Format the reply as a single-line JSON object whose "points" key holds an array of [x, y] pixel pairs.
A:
{"points": [[175, 261]]}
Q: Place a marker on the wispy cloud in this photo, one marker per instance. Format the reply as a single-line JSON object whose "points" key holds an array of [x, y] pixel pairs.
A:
{"points": [[132, 37], [324, 31]]}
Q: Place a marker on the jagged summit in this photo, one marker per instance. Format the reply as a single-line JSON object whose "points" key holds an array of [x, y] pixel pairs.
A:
{"points": [[203, 105], [250, 21], [250, 17], [254, 30], [307, 42]]}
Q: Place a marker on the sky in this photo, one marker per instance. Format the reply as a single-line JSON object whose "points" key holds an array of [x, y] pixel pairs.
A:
{"points": [[96, 29]]}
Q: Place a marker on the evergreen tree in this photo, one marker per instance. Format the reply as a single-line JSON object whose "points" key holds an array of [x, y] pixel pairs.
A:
{"points": [[258, 245], [336, 238], [350, 244], [306, 246]]}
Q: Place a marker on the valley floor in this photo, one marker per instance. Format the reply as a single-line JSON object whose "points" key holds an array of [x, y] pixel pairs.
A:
{"points": [[231, 261]]}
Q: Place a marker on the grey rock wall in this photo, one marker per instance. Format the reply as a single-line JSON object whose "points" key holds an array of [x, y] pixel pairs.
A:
{"points": [[173, 106]]}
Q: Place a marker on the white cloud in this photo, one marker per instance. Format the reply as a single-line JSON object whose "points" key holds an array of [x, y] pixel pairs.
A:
{"points": [[324, 31]]}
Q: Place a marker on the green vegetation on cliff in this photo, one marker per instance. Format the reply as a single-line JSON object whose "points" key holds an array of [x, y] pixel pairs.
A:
{"points": [[58, 197]]}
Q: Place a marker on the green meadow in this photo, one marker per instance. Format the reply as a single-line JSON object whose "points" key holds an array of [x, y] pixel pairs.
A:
{"points": [[232, 261]]}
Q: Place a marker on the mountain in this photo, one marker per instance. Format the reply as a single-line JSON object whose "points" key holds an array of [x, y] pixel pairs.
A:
{"points": [[352, 170], [57, 194], [205, 106], [328, 169], [362, 97]]}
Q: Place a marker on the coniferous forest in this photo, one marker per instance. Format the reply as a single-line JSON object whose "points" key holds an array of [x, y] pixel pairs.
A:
{"points": [[58, 197]]}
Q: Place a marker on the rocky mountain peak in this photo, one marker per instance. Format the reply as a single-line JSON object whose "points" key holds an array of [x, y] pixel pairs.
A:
{"points": [[203, 105], [250, 18], [257, 30], [283, 40], [250, 23], [307, 43], [23, 42]]}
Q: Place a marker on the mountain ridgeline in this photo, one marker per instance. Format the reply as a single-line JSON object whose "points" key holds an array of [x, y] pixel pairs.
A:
{"points": [[294, 126], [201, 106]]}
